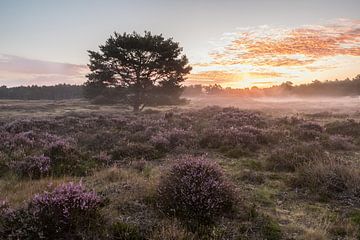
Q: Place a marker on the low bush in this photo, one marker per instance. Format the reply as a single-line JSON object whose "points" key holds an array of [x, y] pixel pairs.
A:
{"points": [[135, 151], [330, 179], [346, 128], [308, 134], [290, 157], [32, 166], [124, 231], [68, 212], [195, 191], [67, 160], [338, 142], [19, 224]]}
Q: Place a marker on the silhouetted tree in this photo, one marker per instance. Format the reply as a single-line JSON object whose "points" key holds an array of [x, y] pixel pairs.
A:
{"points": [[138, 68]]}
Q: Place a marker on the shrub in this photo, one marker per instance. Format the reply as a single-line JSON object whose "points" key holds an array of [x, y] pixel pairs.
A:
{"points": [[346, 128], [338, 142], [66, 159], [195, 191], [330, 179], [309, 131], [67, 212], [32, 166], [19, 224], [124, 231], [166, 141], [135, 151], [290, 157], [245, 138]]}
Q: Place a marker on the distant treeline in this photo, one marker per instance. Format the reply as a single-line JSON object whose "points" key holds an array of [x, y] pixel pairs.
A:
{"points": [[57, 92], [347, 87]]}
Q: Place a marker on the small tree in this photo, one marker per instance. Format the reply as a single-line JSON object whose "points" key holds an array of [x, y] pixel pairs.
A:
{"points": [[136, 67]]}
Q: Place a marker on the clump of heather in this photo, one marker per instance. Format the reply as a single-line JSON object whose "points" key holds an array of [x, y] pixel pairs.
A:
{"points": [[130, 151], [291, 156], [330, 179], [338, 142], [176, 137], [345, 128], [67, 212], [195, 191], [66, 159], [245, 138], [18, 224], [32, 166], [308, 131]]}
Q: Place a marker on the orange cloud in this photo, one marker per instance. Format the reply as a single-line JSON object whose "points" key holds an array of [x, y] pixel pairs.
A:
{"points": [[296, 47]]}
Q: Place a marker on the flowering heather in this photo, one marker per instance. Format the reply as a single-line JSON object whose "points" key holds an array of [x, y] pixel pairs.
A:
{"points": [[32, 166], [233, 117], [173, 138], [247, 137], [67, 210], [195, 190]]}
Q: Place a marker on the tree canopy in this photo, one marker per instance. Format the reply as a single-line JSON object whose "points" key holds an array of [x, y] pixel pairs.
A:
{"points": [[138, 69]]}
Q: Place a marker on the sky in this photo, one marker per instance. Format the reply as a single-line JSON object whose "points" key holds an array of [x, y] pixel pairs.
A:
{"points": [[234, 43]]}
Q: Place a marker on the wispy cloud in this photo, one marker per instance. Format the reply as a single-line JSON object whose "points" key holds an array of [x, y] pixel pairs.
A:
{"points": [[311, 48], [15, 70], [291, 47]]}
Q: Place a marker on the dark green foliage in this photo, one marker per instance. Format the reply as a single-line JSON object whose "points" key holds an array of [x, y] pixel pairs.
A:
{"points": [[56, 92], [143, 70]]}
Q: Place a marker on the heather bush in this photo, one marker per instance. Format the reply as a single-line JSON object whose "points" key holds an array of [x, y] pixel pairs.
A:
{"points": [[345, 128], [234, 141], [171, 139], [68, 212], [195, 191], [234, 117], [338, 142], [32, 166], [332, 179], [99, 141], [67, 160], [19, 224], [125, 231], [291, 156], [309, 131], [129, 151]]}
